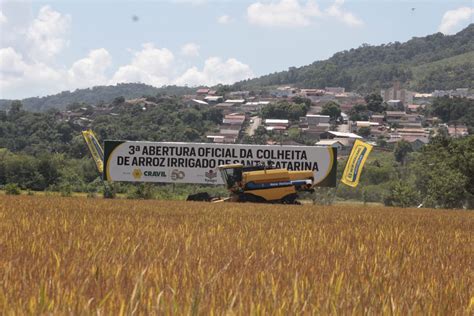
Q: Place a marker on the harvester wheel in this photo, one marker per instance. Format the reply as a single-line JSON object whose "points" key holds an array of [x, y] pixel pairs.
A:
{"points": [[290, 199], [245, 197]]}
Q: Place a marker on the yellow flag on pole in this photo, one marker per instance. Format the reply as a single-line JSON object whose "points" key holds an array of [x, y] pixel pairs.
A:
{"points": [[355, 163], [95, 149]]}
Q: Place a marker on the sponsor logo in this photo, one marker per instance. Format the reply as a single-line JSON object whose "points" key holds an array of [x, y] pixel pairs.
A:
{"points": [[160, 174], [137, 174], [211, 176], [177, 175]]}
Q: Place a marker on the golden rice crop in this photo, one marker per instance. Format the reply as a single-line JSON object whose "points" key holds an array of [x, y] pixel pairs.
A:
{"points": [[109, 257]]}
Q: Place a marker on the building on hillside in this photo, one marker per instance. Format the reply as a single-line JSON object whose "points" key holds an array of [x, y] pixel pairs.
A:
{"points": [[377, 118], [255, 106], [397, 93], [234, 119], [413, 132], [335, 90], [417, 141], [235, 101], [239, 94], [284, 92], [230, 130], [315, 119], [395, 117], [460, 92], [221, 139], [345, 118], [395, 104], [276, 124], [314, 131], [412, 120], [196, 102], [343, 146], [458, 130], [214, 99], [330, 143], [360, 124], [311, 92], [414, 108], [339, 135], [423, 99], [202, 91]]}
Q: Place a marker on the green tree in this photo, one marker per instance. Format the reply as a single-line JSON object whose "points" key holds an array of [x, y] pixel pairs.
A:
{"points": [[374, 102], [401, 194], [332, 109], [460, 110], [364, 131], [401, 150], [444, 172], [359, 113], [118, 100]]}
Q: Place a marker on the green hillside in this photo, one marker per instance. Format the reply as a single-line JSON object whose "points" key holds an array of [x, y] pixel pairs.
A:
{"points": [[96, 95], [419, 62], [448, 73]]}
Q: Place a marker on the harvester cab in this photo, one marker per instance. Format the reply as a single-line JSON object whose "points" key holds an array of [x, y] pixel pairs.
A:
{"points": [[232, 175]]}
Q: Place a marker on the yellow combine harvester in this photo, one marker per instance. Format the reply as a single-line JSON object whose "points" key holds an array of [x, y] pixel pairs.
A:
{"points": [[260, 184]]}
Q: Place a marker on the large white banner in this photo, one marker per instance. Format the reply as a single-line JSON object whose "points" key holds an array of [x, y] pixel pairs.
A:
{"points": [[198, 162]]}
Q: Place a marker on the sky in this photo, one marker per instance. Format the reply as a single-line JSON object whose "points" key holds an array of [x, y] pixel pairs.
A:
{"points": [[50, 46]]}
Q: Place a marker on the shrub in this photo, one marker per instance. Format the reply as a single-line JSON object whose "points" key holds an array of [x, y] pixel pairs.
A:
{"points": [[12, 189], [141, 191], [402, 195], [66, 190]]}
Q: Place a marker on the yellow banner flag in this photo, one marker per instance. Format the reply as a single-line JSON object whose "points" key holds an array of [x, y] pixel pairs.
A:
{"points": [[95, 149], [355, 163]]}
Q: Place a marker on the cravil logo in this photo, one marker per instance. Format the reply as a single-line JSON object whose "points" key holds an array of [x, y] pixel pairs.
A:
{"points": [[160, 174], [211, 176], [137, 174], [177, 175]]}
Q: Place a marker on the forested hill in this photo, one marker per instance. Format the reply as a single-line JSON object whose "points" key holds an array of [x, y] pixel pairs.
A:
{"points": [[96, 95], [422, 64]]}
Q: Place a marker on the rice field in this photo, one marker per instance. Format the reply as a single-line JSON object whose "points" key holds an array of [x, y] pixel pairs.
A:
{"points": [[122, 257]]}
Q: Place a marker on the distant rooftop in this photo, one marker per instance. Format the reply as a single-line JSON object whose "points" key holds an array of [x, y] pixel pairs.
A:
{"points": [[345, 135]]}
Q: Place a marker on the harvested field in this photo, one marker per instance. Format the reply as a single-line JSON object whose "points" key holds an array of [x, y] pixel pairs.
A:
{"points": [[89, 256]]}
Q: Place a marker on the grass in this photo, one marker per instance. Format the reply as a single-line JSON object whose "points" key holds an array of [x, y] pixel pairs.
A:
{"points": [[95, 256]]}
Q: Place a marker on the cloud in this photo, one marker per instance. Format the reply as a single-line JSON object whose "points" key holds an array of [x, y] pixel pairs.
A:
{"points": [[215, 71], [150, 65], [46, 34], [190, 50], [29, 61], [286, 13], [336, 11], [90, 71], [156, 66], [453, 19], [292, 13], [224, 19], [17, 74], [3, 18]]}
